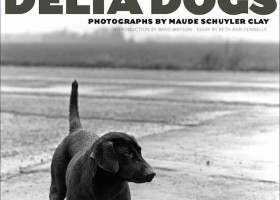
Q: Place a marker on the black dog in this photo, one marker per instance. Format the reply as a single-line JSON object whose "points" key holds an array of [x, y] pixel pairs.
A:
{"points": [[85, 166]]}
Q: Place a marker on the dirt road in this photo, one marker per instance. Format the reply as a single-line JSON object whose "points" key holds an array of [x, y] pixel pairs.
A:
{"points": [[209, 135]]}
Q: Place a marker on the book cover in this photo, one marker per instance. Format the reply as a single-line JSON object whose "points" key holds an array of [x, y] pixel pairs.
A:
{"points": [[140, 99]]}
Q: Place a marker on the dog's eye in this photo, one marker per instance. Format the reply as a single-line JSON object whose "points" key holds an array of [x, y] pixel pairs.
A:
{"points": [[128, 154]]}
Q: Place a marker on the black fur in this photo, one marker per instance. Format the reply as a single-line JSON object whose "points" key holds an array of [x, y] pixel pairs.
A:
{"points": [[74, 118], [86, 167]]}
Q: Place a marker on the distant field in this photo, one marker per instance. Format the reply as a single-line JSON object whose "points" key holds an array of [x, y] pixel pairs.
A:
{"points": [[195, 56]]}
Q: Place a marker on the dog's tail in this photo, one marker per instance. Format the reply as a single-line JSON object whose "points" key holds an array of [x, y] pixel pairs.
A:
{"points": [[74, 118]]}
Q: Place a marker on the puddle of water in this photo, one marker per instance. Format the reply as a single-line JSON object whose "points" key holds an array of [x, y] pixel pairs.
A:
{"points": [[88, 90], [250, 97], [56, 89], [145, 92], [256, 97], [271, 85], [230, 84]]}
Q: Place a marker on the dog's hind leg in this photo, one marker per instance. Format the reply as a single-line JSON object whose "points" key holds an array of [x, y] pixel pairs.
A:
{"points": [[58, 171]]}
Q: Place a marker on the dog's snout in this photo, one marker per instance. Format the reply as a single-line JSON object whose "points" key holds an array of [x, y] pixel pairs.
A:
{"points": [[150, 176]]}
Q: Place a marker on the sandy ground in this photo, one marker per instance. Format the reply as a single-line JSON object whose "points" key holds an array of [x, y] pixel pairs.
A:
{"points": [[208, 135]]}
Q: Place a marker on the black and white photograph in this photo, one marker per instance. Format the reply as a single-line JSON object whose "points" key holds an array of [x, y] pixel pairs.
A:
{"points": [[139, 100]]}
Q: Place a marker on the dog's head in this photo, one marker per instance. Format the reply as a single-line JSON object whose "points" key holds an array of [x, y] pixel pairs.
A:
{"points": [[120, 153]]}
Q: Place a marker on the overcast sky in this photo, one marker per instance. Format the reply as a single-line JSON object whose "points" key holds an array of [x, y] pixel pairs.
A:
{"points": [[32, 22]]}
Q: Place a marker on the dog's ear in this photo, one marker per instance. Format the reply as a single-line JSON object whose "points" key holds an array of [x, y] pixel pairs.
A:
{"points": [[105, 156]]}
